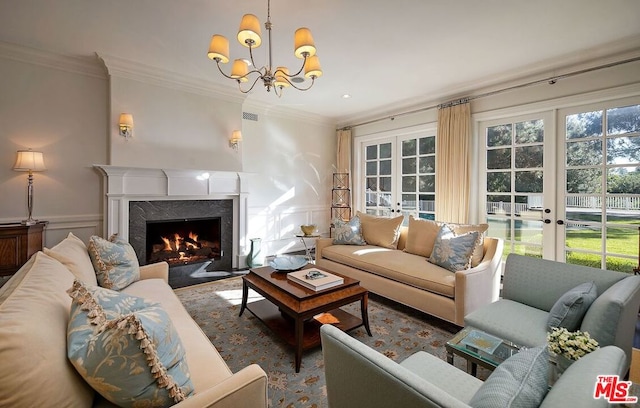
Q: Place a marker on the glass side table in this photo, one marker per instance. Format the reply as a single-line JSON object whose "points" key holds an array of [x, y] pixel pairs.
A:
{"points": [[307, 249], [479, 348]]}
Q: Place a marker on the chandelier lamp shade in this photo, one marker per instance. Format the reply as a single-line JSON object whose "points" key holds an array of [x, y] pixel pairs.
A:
{"points": [[278, 78], [28, 160]]}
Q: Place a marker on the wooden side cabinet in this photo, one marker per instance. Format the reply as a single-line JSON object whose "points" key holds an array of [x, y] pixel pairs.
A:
{"points": [[17, 243]]}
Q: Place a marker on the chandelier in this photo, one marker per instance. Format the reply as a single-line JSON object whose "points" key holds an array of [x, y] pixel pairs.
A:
{"points": [[278, 78]]}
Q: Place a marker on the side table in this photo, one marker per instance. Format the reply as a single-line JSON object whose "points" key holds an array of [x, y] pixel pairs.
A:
{"points": [[307, 250], [17, 243]]}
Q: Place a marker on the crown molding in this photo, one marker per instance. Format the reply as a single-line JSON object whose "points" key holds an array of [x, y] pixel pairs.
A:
{"points": [[122, 68], [89, 66]]}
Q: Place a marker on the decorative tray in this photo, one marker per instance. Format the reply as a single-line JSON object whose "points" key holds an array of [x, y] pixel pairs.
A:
{"points": [[479, 340], [288, 262]]}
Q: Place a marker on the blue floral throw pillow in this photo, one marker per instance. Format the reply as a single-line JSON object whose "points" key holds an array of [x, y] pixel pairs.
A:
{"points": [[453, 252], [114, 261], [348, 233], [126, 348]]}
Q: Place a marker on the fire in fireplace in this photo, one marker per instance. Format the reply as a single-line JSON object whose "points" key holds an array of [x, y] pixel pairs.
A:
{"points": [[183, 241]]}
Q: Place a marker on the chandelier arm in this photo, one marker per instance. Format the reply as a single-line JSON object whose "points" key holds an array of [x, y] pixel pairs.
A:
{"points": [[313, 78], [252, 85], [251, 56]]}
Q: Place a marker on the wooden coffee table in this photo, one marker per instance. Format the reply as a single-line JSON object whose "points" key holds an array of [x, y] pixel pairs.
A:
{"points": [[295, 313]]}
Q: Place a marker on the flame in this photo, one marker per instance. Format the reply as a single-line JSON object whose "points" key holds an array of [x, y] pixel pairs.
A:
{"points": [[167, 244], [176, 241]]}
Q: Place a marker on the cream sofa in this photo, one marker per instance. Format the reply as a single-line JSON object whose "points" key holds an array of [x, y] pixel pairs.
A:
{"points": [[411, 280], [34, 313]]}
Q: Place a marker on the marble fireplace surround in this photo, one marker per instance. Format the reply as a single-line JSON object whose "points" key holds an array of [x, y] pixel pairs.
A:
{"points": [[123, 185]]}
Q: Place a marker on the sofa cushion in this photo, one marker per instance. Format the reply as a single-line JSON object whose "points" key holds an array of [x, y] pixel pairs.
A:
{"points": [[396, 265], [381, 231], [72, 253], [453, 252], [348, 233], [126, 348], [569, 310], [114, 261], [421, 236], [478, 251], [520, 381], [34, 311]]}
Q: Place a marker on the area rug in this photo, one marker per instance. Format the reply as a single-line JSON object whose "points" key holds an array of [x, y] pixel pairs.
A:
{"points": [[397, 331]]}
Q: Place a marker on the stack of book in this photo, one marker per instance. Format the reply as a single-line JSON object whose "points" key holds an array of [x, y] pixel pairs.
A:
{"points": [[315, 279]]}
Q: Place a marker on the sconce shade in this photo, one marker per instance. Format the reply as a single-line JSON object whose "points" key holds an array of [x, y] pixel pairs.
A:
{"points": [[312, 67], [303, 43], [239, 70], [28, 160], [236, 136], [280, 76], [219, 48], [126, 119], [249, 32]]}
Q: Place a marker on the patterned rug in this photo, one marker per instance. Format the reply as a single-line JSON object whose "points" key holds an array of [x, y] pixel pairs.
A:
{"points": [[397, 331]]}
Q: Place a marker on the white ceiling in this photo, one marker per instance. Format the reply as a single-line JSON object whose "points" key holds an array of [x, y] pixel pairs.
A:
{"points": [[385, 54]]}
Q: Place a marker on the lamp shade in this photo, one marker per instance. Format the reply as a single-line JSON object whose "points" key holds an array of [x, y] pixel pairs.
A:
{"points": [[28, 160], [281, 75], [303, 43], [239, 70], [219, 48], [312, 67], [249, 32]]}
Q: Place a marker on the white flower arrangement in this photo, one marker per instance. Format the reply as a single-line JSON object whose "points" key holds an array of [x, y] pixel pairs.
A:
{"points": [[571, 345]]}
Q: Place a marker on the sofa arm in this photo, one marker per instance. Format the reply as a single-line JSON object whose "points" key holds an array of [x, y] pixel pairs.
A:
{"points": [[246, 388], [479, 286], [577, 383], [322, 243], [159, 270]]}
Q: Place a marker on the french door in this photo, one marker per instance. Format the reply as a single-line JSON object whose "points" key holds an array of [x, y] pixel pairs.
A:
{"points": [[396, 175], [518, 201]]}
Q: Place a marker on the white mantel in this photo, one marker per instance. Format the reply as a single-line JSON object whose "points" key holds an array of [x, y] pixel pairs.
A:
{"points": [[125, 184]]}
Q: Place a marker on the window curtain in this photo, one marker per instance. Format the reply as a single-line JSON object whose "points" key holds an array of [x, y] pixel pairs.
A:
{"points": [[343, 159], [453, 142]]}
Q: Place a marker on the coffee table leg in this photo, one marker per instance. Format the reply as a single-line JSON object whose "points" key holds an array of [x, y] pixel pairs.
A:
{"points": [[449, 357], [245, 295], [299, 328], [472, 368], [364, 302]]}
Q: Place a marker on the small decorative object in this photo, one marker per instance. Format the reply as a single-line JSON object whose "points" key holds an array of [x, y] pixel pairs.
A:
{"points": [[288, 262], [255, 257], [308, 229], [565, 347]]}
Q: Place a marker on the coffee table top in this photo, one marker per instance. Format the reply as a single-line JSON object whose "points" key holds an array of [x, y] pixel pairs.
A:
{"points": [[299, 292], [474, 343]]}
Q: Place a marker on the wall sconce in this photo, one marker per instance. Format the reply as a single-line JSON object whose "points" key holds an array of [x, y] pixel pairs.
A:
{"points": [[236, 138], [28, 160], [125, 125]]}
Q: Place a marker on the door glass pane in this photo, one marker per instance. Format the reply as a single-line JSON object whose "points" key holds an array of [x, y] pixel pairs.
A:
{"points": [[530, 132], [409, 147], [427, 184], [623, 120], [587, 153], [385, 151], [372, 183], [499, 158], [529, 181], [409, 202], [499, 204], [499, 182], [372, 168], [385, 183], [409, 166], [427, 145], [622, 150], [427, 164], [583, 208], [385, 167], [584, 181], [408, 183], [581, 125], [372, 152], [529, 157], [499, 135]]}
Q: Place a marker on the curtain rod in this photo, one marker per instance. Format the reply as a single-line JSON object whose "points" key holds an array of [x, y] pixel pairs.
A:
{"points": [[550, 80]]}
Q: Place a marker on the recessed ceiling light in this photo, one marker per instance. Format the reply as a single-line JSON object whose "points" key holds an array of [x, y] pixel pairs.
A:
{"points": [[346, 96]]}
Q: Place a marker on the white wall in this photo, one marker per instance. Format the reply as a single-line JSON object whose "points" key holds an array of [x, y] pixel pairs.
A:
{"points": [[69, 109], [59, 108]]}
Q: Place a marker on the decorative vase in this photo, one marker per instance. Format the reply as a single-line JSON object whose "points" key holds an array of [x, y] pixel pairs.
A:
{"points": [[557, 365], [255, 257]]}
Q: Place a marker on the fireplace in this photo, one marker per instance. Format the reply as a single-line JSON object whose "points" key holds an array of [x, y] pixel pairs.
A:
{"points": [[182, 232], [182, 242]]}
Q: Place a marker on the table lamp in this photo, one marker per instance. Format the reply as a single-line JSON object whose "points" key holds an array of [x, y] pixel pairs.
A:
{"points": [[28, 160]]}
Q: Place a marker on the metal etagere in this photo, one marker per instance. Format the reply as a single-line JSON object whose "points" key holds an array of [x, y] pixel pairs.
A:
{"points": [[340, 198]]}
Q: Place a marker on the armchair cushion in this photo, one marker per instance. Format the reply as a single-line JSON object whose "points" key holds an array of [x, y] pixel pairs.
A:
{"points": [[569, 310], [521, 381]]}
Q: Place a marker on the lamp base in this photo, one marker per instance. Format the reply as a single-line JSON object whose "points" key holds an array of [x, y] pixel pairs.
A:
{"points": [[29, 222]]}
